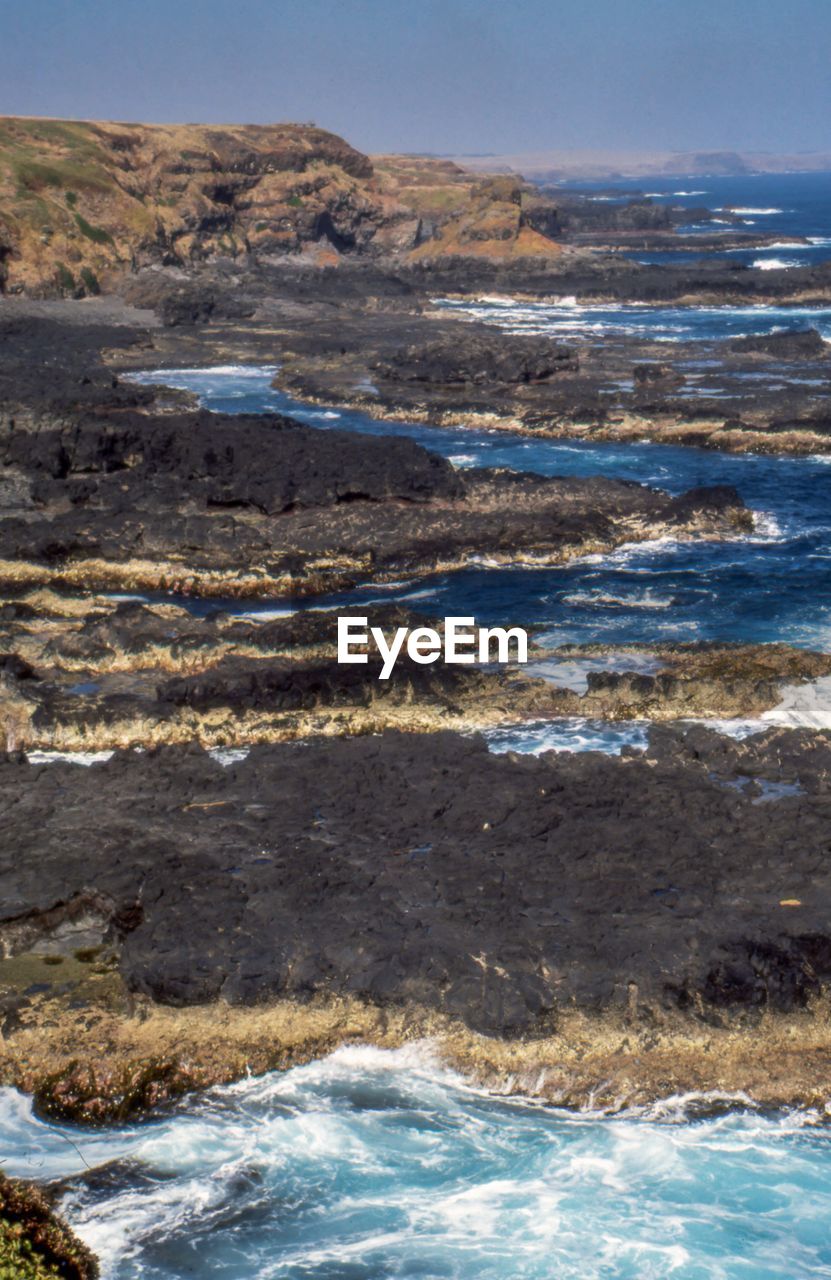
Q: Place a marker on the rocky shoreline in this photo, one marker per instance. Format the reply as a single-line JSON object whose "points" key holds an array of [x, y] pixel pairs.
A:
{"points": [[227, 854], [94, 674], [115, 1065], [243, 505], [419, 886], [390, 352], [619, 389]]}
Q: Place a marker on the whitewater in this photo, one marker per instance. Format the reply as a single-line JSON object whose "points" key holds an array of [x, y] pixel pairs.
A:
{"points": [[376, 1163]]}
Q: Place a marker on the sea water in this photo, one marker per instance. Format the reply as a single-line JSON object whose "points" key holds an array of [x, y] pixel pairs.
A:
{"points": [[793, 209], [566, 319], [373, 1164]]}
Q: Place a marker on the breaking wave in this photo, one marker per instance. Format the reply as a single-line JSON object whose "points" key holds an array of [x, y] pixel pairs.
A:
{"points": [[776, 264], [376, 1163]]}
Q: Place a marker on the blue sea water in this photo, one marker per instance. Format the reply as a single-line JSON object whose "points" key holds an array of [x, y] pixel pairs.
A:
{"points": [[375, 1164], [564, 318], [790, 207]]}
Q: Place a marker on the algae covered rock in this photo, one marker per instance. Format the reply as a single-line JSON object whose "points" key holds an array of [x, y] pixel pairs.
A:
{"points": [[35, 1244]]}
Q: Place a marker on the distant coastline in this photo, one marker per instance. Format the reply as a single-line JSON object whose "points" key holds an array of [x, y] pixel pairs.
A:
{"points": [[598, 164]]}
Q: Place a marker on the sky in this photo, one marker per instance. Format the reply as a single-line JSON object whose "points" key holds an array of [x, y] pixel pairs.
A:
{"points": [[442, 76]]}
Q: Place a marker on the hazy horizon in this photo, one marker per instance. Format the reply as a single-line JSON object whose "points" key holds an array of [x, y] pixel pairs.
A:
{"points": [[459, 77]]}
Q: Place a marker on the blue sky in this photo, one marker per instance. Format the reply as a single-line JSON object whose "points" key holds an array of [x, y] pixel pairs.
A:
{"points": [[438, 75]]}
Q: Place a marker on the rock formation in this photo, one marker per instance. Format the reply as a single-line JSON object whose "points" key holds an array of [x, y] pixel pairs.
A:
{"points": [[84, 203]]}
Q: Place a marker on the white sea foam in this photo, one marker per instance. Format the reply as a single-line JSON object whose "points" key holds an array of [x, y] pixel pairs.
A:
{"points": [[263, 615], [776, 264], [803, 706], [85, 758], [493, 300], [567, 734], [606, 599], [678, 1107], [208, 371], [630, 550], [766, 527], [753, 212], [227, 756]]}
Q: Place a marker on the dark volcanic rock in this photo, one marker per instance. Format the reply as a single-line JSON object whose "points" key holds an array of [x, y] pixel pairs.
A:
{"points": [[268, 463], [197, 493], [51, 370], [290, 685], [477, 360], [399, 868], [650, 376], [802, 344]]}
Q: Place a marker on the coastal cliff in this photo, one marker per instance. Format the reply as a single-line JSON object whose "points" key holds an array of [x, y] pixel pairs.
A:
{"points": [[83, 203]]}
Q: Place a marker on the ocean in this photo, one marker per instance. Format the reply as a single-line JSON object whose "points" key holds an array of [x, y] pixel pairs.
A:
{"points": [[792, 208], [378, 1163], [372, 1164]]}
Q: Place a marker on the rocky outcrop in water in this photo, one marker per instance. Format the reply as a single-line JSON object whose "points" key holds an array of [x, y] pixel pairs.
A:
{"points": [[88, 673], [802, 344], [96, 493], [480, 361], [34, 1243]]}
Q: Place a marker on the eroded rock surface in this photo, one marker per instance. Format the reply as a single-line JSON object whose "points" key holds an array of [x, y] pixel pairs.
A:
{"points": [[106, 495], [498, 890], [93, 673]]}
